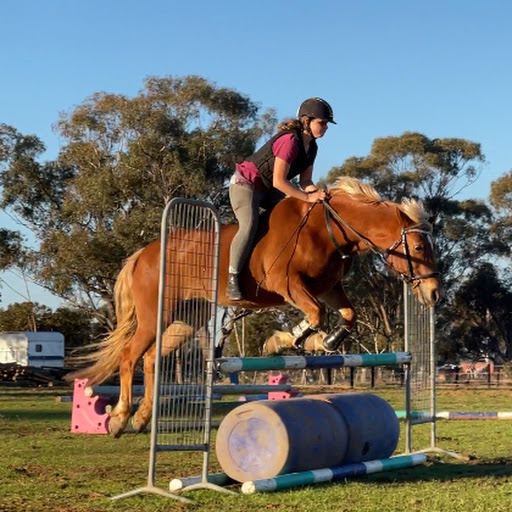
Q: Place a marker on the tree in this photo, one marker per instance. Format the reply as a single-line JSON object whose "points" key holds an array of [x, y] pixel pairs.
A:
{"points": [[478, 321], [122, 161], [77, 326], [501, 200], [434, 171], [22, 316]]}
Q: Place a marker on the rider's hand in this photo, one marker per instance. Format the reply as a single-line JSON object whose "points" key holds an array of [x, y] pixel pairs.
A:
{"points": [[317, 195]]}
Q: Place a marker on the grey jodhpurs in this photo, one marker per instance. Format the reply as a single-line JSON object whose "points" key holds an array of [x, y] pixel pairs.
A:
{"points": [[246, 202]]}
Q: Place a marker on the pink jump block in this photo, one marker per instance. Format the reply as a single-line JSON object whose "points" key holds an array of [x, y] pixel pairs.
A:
{"points": [[88, 415], [281, 378]]}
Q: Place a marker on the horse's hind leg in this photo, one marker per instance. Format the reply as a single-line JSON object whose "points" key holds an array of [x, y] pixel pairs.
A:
{"points": [[130, 357], [175, 335], [143, 415]]}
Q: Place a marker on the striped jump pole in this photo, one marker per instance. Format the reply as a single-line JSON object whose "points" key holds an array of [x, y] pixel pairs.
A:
{"points": [[457, 415], [178, 484], [179, 389], [238, 364], [317, 476]]}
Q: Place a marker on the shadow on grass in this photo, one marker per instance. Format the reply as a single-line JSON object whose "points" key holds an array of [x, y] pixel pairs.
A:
{"points": [[499, 468]]}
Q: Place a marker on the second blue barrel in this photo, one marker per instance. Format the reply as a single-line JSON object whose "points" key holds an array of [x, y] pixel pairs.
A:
{"points": [[272, 437]]}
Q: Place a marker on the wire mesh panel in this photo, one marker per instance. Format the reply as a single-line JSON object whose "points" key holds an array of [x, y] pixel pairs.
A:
{"points": [[419, 341], [421, 381], [186, 327]]}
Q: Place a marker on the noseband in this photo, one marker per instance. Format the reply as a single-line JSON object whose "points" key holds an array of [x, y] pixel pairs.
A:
{"points": [[410, 278]]}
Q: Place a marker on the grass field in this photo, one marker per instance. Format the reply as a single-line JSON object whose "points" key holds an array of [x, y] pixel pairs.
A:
{"points": [[43, 467]]}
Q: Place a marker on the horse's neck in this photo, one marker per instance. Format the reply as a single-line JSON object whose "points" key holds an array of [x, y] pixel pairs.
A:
{"points": [[377, 222]]}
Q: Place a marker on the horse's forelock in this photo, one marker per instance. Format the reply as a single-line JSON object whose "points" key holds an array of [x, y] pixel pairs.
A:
{"points": [[353, 186], [415, 211]]}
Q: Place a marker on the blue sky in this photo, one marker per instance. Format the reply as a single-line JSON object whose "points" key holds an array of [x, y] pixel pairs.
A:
{"points": [[439, 67]]}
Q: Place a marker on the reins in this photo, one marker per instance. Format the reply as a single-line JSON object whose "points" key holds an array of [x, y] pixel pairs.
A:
{"points": [[330, 212], [298, 228]]}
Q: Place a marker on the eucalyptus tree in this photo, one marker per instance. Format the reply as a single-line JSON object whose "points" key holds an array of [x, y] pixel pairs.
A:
{"points": [[501, 201], [122, 159], [433, 171], [478, 320]]}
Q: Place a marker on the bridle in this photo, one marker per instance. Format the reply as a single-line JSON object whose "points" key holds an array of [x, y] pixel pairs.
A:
{"points": [[410, 278]]}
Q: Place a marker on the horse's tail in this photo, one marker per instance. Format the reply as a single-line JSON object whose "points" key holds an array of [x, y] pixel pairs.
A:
{"points": [[104, 361]]}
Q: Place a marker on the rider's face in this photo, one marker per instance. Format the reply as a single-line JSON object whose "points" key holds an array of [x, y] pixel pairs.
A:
{"points": [[318, 127]]}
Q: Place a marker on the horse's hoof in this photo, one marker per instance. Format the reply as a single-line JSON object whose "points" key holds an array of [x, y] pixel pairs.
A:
{"points": [[139, 423], [116, 426]]}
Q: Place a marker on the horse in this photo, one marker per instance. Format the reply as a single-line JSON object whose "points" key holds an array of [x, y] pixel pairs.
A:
{"points": [[301, 253]]}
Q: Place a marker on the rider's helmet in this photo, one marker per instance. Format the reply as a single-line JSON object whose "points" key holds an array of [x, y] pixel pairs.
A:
{"points": [[317, 108]]}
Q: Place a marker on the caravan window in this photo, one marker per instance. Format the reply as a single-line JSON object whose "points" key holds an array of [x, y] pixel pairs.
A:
{"points": [[39, 347]]}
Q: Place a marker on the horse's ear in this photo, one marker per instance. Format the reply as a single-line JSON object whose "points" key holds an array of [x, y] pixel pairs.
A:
{"points": [[432, 219], [403, 217]]}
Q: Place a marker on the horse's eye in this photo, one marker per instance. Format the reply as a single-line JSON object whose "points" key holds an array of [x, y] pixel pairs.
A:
{"points": [[418, 248]]}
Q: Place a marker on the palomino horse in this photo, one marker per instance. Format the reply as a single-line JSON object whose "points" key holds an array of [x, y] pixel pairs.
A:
{"points": [[300, 256]]}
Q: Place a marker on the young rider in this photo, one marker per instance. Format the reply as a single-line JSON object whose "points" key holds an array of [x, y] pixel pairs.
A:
{"points": [[265, 177]]}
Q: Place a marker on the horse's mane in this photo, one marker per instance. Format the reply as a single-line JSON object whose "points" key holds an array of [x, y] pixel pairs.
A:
{"points": [[363, 191]]}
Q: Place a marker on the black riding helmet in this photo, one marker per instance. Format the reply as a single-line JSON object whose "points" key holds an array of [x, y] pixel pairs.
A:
{"points": [[317, 108]]}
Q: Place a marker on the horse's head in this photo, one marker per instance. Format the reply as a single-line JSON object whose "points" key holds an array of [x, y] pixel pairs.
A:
{"points": [[412, 255]]}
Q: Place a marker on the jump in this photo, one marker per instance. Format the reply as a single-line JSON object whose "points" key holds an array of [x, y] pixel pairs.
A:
{"points": [[301, 253]]}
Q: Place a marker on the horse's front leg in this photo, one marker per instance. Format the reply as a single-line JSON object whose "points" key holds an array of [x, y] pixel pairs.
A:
{"points": [[297, 293], [337, 299]]}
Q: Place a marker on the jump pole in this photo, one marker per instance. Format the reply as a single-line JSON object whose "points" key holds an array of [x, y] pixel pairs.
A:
{"points": [[221, 389], [238, 364], [317, 476]]}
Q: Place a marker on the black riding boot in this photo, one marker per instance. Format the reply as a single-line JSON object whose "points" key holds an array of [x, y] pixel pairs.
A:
{"points": [[332, 341], [233, 290]]}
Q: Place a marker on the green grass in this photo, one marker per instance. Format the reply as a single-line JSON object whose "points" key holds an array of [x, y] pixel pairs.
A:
{"points": [[43, 467]]}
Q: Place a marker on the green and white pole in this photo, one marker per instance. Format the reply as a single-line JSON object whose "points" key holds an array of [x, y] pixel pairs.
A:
{"points": [[335, 473], [238, 364]]}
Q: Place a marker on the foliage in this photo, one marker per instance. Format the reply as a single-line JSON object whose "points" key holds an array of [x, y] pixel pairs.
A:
{"points": [[501, 200], [478, 321], [123, 159], [76, 325], [10, 247]]}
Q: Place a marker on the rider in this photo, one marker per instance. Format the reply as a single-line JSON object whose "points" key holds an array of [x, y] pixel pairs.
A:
{"points": [[263, 179]]}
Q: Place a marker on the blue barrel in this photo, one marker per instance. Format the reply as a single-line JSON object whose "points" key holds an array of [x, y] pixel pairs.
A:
{"points": [[372, 425], [271, 437], [267, 438]]}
